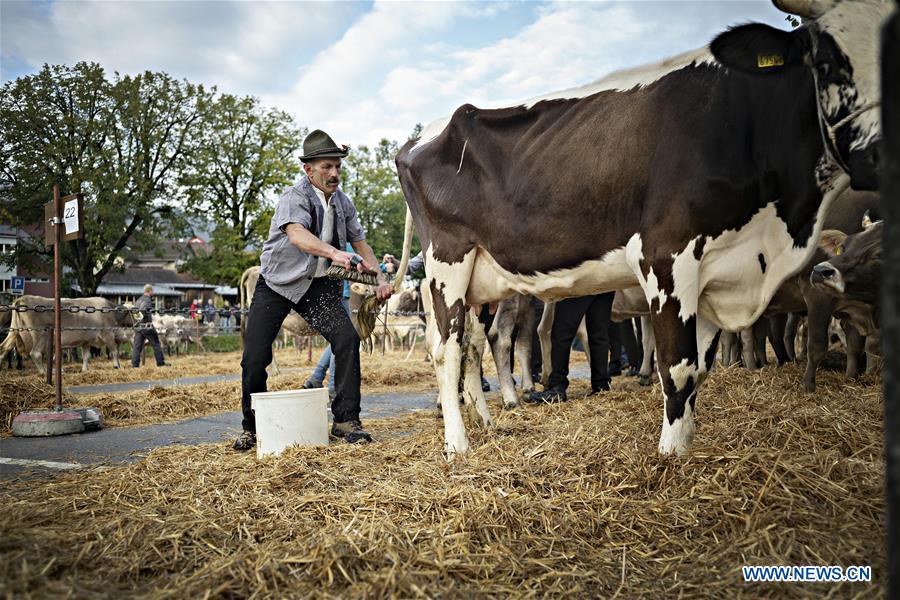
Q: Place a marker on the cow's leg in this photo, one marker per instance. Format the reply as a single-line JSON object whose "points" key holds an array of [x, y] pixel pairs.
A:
{"points": [[524, 342], [648, 340], [275, 369], [500, 339], [678, 365], [85, 354], [39, 342], [819, 310], [802, 337], [874, 360], [855, 348], [777, 326], [109, 340], [581, 334], [790, 335], [728, 343], [543, 331], [473, 351], [691, 347], [748, 348], [760, 332], [447, 283]]}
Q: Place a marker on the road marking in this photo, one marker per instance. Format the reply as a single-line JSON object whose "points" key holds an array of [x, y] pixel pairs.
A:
{"points": [[24, 462]]}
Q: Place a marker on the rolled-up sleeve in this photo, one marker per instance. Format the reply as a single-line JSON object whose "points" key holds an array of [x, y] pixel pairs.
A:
{"points": [[355, 231], [291, 208]]}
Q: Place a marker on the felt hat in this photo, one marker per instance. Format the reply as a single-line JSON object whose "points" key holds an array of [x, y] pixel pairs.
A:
{"points": [[319, 144]]}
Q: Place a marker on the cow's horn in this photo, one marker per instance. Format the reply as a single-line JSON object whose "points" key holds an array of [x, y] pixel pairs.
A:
{"points": [[801, 8]]}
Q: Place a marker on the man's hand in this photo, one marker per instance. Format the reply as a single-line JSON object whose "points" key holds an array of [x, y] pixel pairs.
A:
{"points": [[384, 291], [345, 260]]}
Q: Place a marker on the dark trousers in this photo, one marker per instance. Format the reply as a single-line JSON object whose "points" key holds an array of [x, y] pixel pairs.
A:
{"points": [[321, 307], [137, 345], [596, 309], [615, 348]]}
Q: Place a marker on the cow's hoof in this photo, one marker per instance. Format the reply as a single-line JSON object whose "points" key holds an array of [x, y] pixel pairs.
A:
{"points": [[644, 380], [510, 405]]}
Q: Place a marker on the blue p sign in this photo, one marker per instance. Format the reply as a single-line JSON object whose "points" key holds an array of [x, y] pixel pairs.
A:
{"points": [[17, 286]]}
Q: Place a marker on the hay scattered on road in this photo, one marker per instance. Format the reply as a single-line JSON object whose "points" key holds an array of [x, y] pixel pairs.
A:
{"points": [[380, 374], [568, 499]]}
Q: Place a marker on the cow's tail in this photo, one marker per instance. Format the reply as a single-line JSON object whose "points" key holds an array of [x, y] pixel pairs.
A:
{"points": [[243, 295], [10, 342], [407, 248]]}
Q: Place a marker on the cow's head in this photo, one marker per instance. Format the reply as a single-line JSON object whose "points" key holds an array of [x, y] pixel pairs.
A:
{"points": [[839, 43], [854, 270]]}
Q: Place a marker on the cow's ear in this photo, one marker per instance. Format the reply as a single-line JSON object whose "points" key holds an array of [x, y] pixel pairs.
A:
{"points": [[758, 49], [832, 241]]}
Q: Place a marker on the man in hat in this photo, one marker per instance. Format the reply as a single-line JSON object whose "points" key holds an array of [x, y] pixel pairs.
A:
{"points": [[144, 330], [312, 224]]}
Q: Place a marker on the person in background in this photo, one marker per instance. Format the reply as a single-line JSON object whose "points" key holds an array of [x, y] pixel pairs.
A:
{"points": [[225, 316], [193, 313], [596, 309], [210, 311], [144, 330]]}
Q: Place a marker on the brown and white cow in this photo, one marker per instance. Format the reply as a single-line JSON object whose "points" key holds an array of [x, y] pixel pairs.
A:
{"points": [[852, 276], [797, 295], [79, 329], [703, 179]]}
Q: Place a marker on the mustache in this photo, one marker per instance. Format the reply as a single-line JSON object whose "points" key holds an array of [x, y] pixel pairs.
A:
{"points": [[332, 180]]}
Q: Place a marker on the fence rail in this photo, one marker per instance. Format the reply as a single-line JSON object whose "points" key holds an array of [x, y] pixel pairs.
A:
{"points": [[121, 309]]}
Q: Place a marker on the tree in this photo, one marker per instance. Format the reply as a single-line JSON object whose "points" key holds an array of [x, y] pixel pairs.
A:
{"points": [[120, 142], [245, 153], [371, 182]]}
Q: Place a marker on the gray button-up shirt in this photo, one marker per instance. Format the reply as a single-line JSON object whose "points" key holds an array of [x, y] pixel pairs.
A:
{"points": [[286, 269]]}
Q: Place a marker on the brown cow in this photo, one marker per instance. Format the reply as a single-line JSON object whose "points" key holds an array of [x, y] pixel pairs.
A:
{"points": [[79, 329]]}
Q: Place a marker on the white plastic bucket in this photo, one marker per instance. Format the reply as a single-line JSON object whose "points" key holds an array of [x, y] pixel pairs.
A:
{"points": [[290, 418]]}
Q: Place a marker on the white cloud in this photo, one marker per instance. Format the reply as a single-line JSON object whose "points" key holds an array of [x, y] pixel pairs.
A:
{"points": [[243, 47], [362, 72], [568, 44]]}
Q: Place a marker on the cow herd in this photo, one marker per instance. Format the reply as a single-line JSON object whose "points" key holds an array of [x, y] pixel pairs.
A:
{"points": [[705, 180]]}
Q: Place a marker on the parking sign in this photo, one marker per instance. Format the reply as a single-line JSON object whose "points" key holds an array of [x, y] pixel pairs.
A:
{"points": [[17, 287]]}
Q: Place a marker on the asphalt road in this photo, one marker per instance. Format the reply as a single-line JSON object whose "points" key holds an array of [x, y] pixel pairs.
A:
{"points": [[117, 445]]}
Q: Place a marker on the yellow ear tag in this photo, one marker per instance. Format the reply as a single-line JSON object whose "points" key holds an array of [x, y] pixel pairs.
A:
{"points": [[839, 250], [766, 61]]}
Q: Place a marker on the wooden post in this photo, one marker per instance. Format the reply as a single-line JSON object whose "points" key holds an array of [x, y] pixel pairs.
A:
{"points": [[890, 335], [57, 304], [48, 355]]}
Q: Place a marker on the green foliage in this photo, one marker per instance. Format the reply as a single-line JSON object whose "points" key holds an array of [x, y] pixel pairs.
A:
{"points": [[227, 261], [222, 343], [244, 154], [121, 142], [370, 179], [137, 145]]}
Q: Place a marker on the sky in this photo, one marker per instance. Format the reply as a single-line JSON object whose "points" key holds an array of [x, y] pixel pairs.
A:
{"points": [[366, 70]]}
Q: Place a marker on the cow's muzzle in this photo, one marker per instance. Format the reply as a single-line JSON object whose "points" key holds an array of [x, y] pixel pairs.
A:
{"points": [[825, 275]]}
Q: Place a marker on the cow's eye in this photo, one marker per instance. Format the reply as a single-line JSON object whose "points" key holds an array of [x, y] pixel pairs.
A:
{"points": [[823, 69]]}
